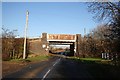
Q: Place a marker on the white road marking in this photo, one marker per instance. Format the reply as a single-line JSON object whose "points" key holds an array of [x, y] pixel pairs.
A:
{"points": [[46, 74], [56, 62], [50, 69]]}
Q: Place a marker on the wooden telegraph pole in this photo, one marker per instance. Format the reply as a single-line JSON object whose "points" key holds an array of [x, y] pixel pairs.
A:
{"points": [[25, 33]]}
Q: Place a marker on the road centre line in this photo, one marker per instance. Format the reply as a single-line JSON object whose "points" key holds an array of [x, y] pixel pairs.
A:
{"points": [[50, 69], [56, 62], [46, 74]]}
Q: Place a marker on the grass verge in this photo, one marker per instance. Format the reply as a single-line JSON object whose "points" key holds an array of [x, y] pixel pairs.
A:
{"points": [[38, 58], [32, 59]]}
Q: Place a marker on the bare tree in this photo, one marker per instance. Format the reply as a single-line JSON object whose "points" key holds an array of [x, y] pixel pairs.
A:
{"points": [[109, 12], [8, 38]]}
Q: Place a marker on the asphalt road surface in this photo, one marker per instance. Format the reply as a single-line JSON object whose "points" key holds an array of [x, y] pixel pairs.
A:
{"points": [[56, 68]]}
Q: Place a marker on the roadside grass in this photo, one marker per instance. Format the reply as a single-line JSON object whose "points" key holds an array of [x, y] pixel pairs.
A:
{"points": [[38, 58], [87, 59], [99, 68], [91, 59], [31, 59]]}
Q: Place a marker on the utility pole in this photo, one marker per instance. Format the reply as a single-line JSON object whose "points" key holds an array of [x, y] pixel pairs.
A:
{"points": [[25, 33], [84, 40], [84, 31]]}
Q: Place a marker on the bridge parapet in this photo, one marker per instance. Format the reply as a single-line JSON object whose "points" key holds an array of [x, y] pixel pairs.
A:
{"points": [[61, 37]]}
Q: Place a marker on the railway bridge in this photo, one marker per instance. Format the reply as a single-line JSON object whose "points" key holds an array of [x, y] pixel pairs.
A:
{"points": [[62, 39], [42, 45]]}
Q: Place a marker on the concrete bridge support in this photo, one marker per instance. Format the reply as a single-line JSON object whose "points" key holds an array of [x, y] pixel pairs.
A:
{"points": [[45, 44], [72, 49], [77, 44]]}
